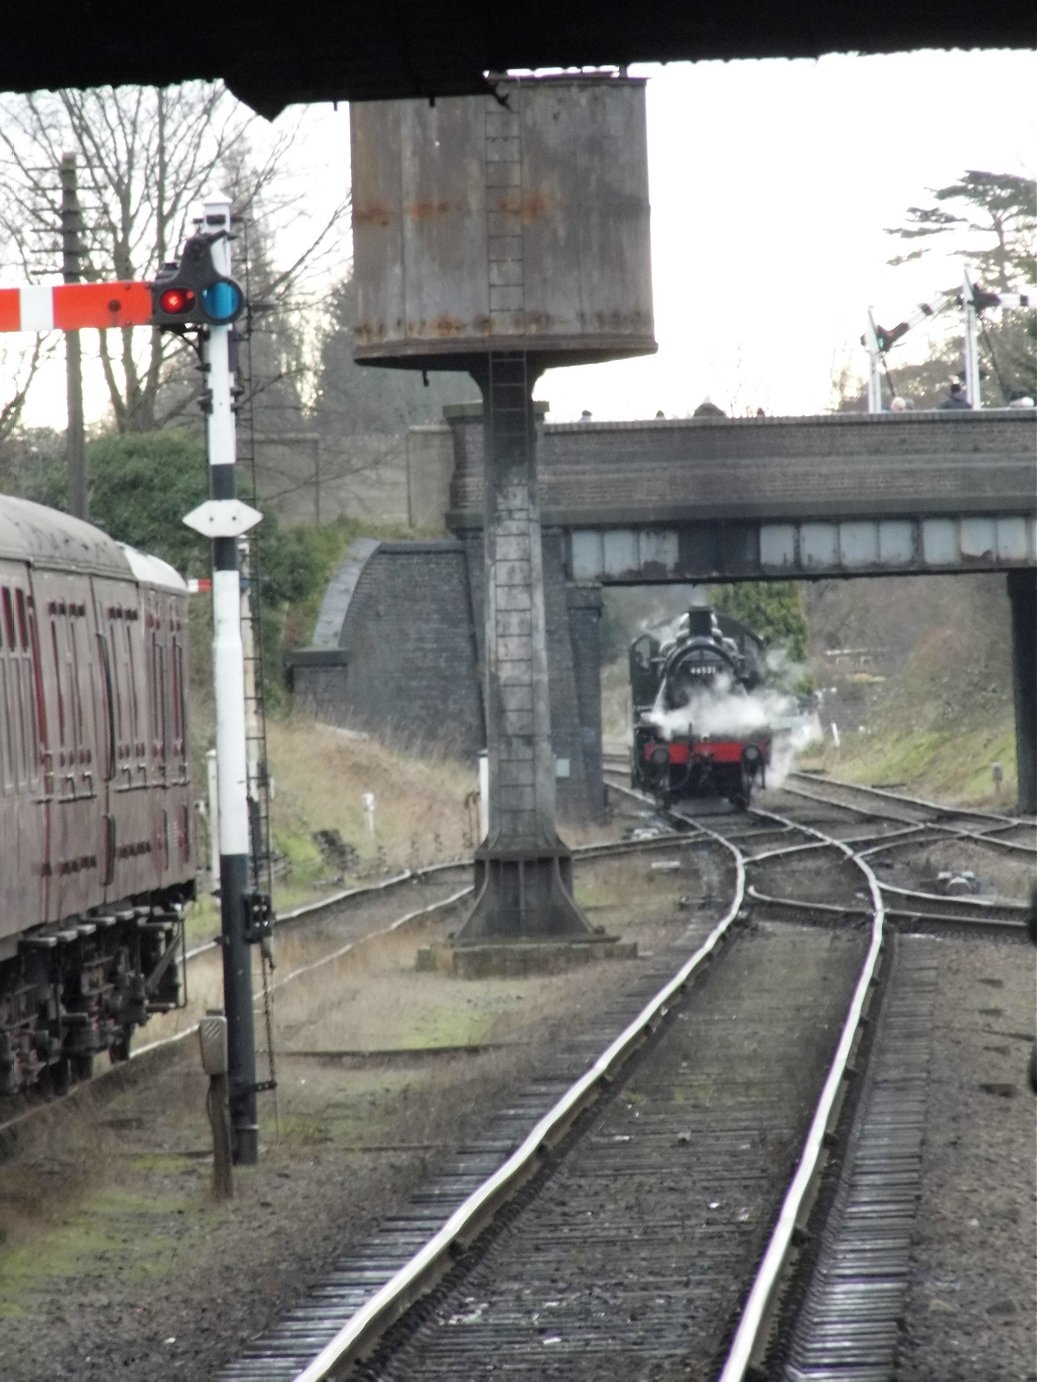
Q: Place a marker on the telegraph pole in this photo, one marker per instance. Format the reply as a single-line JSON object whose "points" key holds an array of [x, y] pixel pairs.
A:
{"points": [[71, 272]]}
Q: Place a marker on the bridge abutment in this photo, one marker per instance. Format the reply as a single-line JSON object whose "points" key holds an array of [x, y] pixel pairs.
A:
{"points": [[1022, 597]]}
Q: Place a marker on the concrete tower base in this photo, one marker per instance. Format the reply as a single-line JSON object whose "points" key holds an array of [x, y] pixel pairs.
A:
{"points": [[524, 894]]}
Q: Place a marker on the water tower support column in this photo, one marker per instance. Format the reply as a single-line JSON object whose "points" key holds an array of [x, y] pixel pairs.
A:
{"points": [[523, 871]]}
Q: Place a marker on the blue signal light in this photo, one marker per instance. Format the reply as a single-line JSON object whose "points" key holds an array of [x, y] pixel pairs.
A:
{"points": [[222, 301]]}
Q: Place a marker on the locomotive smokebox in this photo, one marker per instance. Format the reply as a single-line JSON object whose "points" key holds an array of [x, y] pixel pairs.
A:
{"points": [[518, 221]]}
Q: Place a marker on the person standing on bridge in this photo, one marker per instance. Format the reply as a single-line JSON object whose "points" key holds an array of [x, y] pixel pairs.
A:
{"points": [[956, 397]]}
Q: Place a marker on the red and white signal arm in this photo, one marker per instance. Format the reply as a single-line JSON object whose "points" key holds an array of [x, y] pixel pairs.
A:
{"points": [[74, 306]]}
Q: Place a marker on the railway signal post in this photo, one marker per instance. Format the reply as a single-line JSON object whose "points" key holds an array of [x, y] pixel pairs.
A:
{"points": [[200, 291]]}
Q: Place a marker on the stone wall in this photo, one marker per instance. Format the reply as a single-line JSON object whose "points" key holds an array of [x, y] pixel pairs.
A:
{"points": [[404, 665], [401, 634]]}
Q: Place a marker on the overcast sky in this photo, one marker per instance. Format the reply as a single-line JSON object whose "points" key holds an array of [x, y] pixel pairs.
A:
{"points": [[771, 184]]}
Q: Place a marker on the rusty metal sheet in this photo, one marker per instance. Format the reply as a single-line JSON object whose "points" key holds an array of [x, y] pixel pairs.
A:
{"points": [[479, 226]]}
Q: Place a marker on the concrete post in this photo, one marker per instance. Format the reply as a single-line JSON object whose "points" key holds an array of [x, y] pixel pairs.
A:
{"points": [[523, 871], [1022, 597]]}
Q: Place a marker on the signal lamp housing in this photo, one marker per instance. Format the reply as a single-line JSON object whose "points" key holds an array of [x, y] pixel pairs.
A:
{"points": [[194, 292]]}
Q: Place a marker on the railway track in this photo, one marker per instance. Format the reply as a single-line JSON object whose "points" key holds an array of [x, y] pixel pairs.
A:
{"points": [[683, 1059], [899, 824], [579, 1230], [348, 916], [346, 910]]}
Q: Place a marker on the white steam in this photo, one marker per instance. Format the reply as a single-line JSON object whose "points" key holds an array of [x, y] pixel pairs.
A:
{"points": [[724, 710]]}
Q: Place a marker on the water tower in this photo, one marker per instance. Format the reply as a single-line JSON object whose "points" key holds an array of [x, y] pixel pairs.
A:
{"points": [[504, 235]]}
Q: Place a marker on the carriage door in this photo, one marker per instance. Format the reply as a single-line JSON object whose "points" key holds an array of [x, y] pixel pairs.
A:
{"points": [[23, 807], [61, 751]]}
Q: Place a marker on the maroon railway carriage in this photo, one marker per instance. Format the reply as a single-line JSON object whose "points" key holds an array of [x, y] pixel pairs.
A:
{"points": [[96, 836]]}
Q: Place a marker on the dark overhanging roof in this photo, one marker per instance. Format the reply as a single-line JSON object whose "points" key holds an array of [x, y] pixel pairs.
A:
{"points": [[311, 50]]}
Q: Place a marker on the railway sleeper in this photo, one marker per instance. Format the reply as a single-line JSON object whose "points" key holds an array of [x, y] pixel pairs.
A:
{"points": [[78, 988]]}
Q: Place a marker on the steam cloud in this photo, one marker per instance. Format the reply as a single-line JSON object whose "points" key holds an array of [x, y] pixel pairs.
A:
{"points": [[726, 711]]}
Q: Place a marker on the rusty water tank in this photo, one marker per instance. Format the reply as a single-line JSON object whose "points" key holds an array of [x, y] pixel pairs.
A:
{"points": [[513, 221]]}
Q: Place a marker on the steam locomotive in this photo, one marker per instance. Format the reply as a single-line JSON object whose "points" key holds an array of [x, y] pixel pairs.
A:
{"points": [[96, 822], [697, 729]]}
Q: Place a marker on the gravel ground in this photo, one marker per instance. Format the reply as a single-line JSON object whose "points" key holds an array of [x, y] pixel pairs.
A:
{"points": [[971, 1307], [115, 1263]]}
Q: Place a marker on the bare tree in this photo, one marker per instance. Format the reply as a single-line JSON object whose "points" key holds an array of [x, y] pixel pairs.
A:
{"points": [[20, 370], [146, 156]]}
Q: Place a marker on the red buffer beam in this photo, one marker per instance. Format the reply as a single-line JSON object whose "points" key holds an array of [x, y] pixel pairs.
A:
{"points": [[73, 306]]}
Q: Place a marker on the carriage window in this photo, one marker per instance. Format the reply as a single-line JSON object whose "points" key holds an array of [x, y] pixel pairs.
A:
{"points": [[131, 669], [156, 714], [16, 708], [107, 723], [76, 692], [59, 676], [163, 722], [6, 726], [9, 637], [178, 691], [34, 704], [23, 622]]}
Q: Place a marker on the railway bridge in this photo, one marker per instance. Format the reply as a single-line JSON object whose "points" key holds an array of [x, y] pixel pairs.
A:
{"points": [[691, 500], [708, 499]]}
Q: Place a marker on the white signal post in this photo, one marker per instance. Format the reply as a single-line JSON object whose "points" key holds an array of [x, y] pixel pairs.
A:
{"points": [[871, 340], [877, 341], [224, 519]]}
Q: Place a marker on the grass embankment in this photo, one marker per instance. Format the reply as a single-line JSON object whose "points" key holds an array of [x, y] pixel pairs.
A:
{"points": [[938, 725], [424, 812]]}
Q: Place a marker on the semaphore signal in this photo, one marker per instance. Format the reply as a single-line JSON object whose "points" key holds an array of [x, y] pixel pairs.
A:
{"points": [[189, 292], [73, 306]]}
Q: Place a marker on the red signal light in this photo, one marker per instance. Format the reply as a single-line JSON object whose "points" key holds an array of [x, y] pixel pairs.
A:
{"points": [[177, 302]]}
